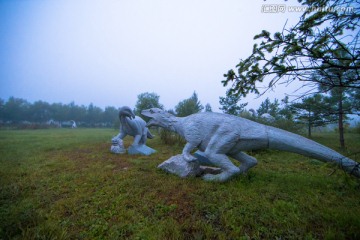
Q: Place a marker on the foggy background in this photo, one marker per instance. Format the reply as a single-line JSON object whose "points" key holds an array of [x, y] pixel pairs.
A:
{"points": [[107, 52]]}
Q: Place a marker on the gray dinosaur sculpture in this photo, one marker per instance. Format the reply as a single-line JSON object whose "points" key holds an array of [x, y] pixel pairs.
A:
{"points": [[219, 135], [134, 126]]}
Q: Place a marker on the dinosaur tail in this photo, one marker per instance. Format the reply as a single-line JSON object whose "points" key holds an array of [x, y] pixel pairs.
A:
{"points": [[290, 142], [149, 135]]}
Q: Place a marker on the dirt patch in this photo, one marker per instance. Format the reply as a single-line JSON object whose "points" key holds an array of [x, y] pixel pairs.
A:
{"points": [[85, 156], [181, 197]]}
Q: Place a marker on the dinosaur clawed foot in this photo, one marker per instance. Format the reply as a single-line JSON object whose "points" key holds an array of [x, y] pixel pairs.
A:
{"points": [[189, 157], [222, 177]]}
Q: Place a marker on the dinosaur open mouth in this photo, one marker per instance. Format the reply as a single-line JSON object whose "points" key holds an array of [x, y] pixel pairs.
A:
{"points": [[149, 114], [150, 123]]}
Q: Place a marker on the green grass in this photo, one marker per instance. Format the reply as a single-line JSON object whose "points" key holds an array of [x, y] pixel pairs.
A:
{"points": [[65, 184]]}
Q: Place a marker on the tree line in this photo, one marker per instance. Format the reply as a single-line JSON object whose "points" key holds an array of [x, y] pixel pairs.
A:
{"points": [[311, 111], [317, 110], [308, 112], [18, 111]]}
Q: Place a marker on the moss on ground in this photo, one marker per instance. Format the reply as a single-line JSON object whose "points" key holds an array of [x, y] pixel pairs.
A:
{"points": [[65, 184]]}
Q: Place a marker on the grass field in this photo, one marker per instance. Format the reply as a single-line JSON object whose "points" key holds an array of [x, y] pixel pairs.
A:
{"points": [[65, 184]]}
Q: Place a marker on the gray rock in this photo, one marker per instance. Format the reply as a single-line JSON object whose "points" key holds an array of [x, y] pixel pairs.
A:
{"points": [[178, 166]]}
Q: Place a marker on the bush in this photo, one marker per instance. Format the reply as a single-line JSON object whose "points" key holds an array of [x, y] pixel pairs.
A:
{"points": [[170, 138], [289, 125], [284, 124]]}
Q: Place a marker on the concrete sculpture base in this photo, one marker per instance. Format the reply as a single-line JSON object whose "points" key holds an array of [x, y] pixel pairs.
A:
{"points": [[140, 149], [179, 166], [117, 146], [117, 149]]}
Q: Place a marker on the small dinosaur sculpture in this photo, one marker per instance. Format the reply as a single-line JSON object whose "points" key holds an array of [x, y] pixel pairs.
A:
{"points": [[134, 126], [219, 135]]}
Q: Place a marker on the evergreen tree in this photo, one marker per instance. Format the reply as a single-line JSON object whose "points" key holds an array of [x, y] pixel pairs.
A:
{"points": [[208, 108], [332, 80], [145, 101], [39, 112], [311, 112], [111, 115], [171, 111], [268, 107], [2, 106], [80, 113], [355, 98], [338, 105], [286, 111], [188, 106], [230, 105], [294, 53], [58, 112], [93, 114], [16, 110]]}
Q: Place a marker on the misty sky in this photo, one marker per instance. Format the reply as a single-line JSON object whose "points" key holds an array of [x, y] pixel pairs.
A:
{"points": [[106, 52]]}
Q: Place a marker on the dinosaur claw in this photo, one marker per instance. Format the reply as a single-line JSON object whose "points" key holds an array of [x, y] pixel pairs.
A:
{"points": [[189, 158], [221, 177]]}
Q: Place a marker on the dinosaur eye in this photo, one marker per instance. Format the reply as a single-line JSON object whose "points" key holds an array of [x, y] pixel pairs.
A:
{"points": [[151, 111]]}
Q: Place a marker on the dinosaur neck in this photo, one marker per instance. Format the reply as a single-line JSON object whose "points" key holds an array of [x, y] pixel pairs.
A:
{"points": [[124, 121], [177, 126]]}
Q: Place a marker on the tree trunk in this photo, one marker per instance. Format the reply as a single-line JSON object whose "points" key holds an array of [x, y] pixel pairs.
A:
{"points": [[341, 122], [309, 125]]}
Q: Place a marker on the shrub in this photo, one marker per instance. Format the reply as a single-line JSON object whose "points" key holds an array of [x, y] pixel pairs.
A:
{"points": [[170, 138]]}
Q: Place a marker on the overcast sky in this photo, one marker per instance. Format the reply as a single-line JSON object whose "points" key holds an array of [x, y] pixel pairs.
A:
{"points": [[106, 52]]}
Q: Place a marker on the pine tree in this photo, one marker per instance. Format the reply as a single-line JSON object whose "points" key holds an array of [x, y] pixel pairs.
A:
{"points": [[296, 52], [147, 100], [188, 106], [230, 105], [311, 112], [208, 108]]}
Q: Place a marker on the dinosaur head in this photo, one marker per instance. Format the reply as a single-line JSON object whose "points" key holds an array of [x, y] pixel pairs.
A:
{"points": [[158, 117], [127, 112]]}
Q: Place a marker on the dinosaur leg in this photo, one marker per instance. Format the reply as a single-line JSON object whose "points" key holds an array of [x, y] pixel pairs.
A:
{"points": [[186, 152], [227, 167], [246, 161], [121, 135], [137, 139], [143, 138], [215, 152]]}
